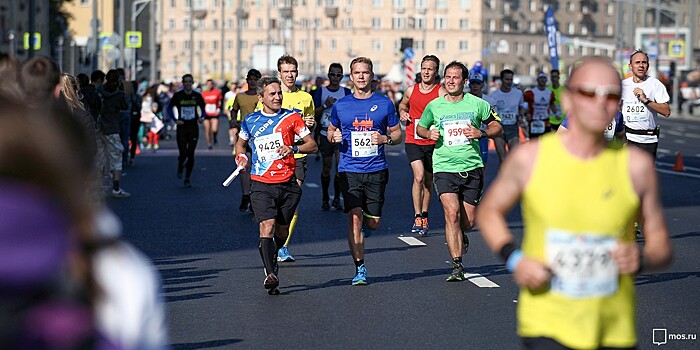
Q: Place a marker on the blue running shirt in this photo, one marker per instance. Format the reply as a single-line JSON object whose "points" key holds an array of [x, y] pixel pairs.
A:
{"points": [[357, 119]]}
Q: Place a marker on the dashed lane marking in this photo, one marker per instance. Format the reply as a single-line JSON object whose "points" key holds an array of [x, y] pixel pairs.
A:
{"points": [[411, 241], [480, 281]]}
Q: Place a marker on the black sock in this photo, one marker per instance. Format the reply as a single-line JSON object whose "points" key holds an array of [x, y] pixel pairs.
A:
{"points": [[267, 253], [359, 263], [457, 260], [418, 215], [325, 183], [115, 185], [279, 242], [424, 214], [336, 185]]}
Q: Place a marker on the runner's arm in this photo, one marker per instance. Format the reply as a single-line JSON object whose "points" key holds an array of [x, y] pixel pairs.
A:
{"points": [[403, 105], [657, 252], [662, 108]]}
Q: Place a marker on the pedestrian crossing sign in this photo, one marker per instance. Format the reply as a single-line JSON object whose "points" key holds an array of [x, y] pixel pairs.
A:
{"points": [[36, 40], [133, 39], [676, 48]]}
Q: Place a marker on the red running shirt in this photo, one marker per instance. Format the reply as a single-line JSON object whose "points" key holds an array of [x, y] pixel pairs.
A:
{"points": [[416, 106], [212, 102]]}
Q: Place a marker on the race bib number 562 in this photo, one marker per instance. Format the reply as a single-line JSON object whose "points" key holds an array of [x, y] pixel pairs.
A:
{"points": [[362, 144]]}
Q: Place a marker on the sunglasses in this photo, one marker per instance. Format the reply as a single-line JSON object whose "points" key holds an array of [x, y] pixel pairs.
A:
{"points": [[608, 92]]}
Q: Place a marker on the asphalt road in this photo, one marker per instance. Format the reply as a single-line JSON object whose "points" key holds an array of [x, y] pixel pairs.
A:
{"points": [[206, 251]]}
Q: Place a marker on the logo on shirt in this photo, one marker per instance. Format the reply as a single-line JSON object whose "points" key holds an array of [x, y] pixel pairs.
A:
{"points": [[363, 125], [374, 108]]}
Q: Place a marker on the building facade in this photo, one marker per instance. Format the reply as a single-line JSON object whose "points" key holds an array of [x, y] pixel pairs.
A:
{"points": [[14, 24]]}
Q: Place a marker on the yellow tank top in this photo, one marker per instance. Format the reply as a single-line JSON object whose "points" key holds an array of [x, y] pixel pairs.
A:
{"points": [[299, 101], [574, 210]]}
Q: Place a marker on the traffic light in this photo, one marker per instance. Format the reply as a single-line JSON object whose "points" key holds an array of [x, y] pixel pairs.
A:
{"points": [[139, 65]]}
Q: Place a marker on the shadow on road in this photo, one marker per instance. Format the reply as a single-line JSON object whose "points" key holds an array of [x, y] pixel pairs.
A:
{"points": [[206, 344], [664, 277]]}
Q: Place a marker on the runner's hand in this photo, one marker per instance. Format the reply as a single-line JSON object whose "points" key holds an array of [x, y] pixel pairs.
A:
{"points": [[471, 132], [626, 257], [284, 150], [377, 138], [434, 134], [532, 274], [309, 120], [405, 117], [241, 159], [337, 136]]}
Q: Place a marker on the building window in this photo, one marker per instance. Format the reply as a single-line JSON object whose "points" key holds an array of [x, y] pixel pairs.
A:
{"points": [[463, 46], [491, 25], [506, 26], [419, 22], [421, 4], [171, 45], [399, 4], [398, 22], [216, 3], [377, 3], [419, 44], [187, 45], [464, 24], [440, 4], [584, 30], [171, 24], [332, 45], [570, 50], [376, 45], [572, 28], [187, 23], [244, 24], [259, 24], [318, 44], [440, 22], [229, 44], [489, 4], [518, 48], [545, 48], [214, 45], [244, 44], [201, 24], [201, 45], [533, 5], [571, 6], [215, 24], [610, 9], [229, 24], [465, 4], [302, 45], [173, 3], [376, 23], [440, 46], [532, 49]]}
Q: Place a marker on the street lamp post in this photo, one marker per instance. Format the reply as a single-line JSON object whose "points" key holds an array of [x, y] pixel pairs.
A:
{"points": [[135, 12], [198, 13]]}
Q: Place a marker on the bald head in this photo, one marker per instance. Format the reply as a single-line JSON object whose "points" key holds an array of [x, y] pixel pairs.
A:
{"points": [[592, 94]]}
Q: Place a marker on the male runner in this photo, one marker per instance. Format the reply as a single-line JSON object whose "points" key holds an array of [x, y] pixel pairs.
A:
{"points": [[476, 88], [556, 118], [643, 98], [509, 102], [275, 193], [301, 102], [243, 104], [212, 109], [187, 106], [453, 121], [419, 150], [578, 260], [362, 123], [540, 104], [324, 98]]}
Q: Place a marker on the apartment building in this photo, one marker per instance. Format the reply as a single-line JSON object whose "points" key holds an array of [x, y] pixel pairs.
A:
{"points": [[14, 23]]}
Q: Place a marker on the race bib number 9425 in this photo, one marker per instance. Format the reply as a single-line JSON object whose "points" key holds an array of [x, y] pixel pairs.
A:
{"points": [[582, 265], [266, 147]]}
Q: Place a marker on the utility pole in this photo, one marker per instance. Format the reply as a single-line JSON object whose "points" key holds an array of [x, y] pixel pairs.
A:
{"points": [[657, 24], [122, 26], [239, 23], [95, 36], [32, 27], [223, 36], [155, 4]]}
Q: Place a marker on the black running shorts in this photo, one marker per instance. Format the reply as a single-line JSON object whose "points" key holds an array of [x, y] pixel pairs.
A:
{"points": [[467, 185], [510, 132], [326, 148], [364, 190], [423, 153], [278, 201], [300, 170]]}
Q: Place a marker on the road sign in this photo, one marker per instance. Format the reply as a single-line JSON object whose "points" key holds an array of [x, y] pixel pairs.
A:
{"points": [[36, 41], [133, 39], [676, 48]]}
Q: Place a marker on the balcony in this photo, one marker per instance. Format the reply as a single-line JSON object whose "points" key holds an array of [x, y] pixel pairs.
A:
{"points": [[331, 11]]}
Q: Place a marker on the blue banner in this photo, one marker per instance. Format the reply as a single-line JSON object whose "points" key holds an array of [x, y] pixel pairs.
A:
{"points": [[551, 27]]}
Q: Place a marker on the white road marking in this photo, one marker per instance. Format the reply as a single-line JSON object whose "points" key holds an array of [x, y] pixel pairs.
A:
{"points": [[311, 185], [480, 281], [411, 241], [671, 172], [670, 165]]}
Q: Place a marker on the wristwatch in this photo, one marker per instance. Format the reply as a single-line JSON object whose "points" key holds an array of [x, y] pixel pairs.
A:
{"points": [[295, 149], [389, 141], [484, 134]]}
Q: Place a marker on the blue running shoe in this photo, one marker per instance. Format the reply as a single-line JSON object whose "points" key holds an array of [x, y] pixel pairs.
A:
{"points": [[283, 255], [360, 277], [417, 225]]}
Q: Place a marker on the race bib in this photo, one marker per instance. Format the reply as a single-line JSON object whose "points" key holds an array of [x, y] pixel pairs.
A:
{"points": [[454, 132], [635, 111], [325, 121], [266, 147], [415, 130], [362, 144], [508, 118], [210, 108], [582, 265], [541, 115], [537, 127], [188, 113], [610, 130]]}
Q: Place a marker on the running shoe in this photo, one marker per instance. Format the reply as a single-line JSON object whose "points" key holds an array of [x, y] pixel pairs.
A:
{"points": [[336, 203], [424, 230], [360, 276], [156, 147], [457, 274], [179, 173], [465, 243], [417, 225], [283, 255], [271, 281], [120, 193], [325, 206], [188, 183], [210, 147]]}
